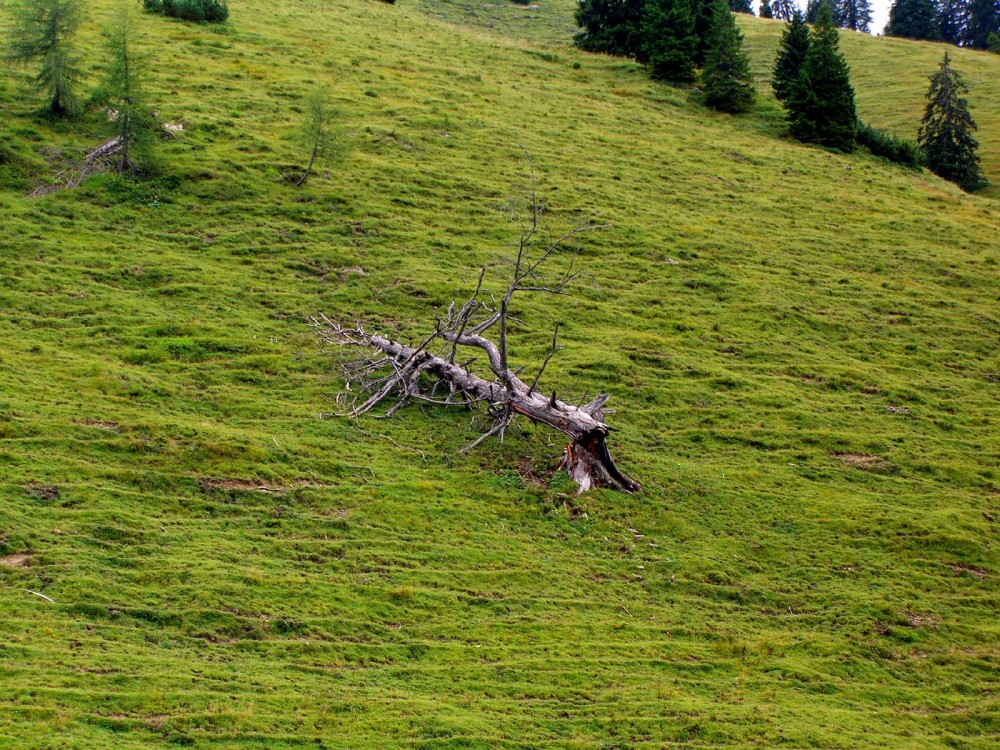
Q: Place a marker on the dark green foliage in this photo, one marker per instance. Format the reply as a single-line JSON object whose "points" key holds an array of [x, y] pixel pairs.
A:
{"points": [[765, 10], [812, 8], [993, 43], [913, 19], [984, 20], [783, 10], [727, 79], [855, 15], [741, 6], [946, 131], [821, 102], [42, 32], [791, 56], [124, 92], [610, 26], [213, 11], [703, 12], [953, 19], [888, 146], [669, 40]]}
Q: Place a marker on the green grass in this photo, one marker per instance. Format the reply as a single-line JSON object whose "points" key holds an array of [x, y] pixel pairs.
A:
{"points": [[762, 314]]}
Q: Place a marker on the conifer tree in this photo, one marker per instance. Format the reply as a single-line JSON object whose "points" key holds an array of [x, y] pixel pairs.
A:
{"points": [[669, 40], [946, 130], [783, 9], [741, 6], [42, 31], [791, 55], [727, 79], [984, 19], [855, 15], [124, 90], [913, 19], [703, 11], [812, 8], [821, 102], [317, 133], [953, 19], [610, 26], [765, 9]]}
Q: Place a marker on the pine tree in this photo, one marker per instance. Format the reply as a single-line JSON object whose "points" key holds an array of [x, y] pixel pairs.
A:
{"points": [[124, 90], [984, 19], [765, 9], [946, 130], [821, 102], [669, 40], [783, 9], [791, 55], [727, 79], [953, 19], [43, 31], [913, 19], [855, 15], [610, 26]]}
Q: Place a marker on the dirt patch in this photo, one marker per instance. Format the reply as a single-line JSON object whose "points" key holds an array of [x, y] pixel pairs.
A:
{"points": [[46, 492], [97, 423], [978, 573], [863, 461], [255, 485], [921, 621], [15, 561]]}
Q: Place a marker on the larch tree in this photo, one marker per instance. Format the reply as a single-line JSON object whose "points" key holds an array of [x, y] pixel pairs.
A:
{"points": [[317, 132], [821, 101], [946, 130], [791, 55], [726, 78], [42, 32]]}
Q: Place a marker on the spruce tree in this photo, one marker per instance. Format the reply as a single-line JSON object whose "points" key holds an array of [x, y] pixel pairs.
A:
{"points": [[741, 6], [727, 79], [765, 9], [791, 55], [984, 19], [913, 19], [702, 11], [610, 26], [783, 9], [42, 31], [953, 19], [669, 40], [124, 91], [855, 15], [946, 130], [821, 102], [812, 9]]}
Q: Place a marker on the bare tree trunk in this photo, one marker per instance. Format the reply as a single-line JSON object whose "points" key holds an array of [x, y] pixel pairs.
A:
{"points": [[312, 160]]}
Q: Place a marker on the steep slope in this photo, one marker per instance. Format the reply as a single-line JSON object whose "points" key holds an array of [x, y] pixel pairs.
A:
{"points": [[802, 348]]}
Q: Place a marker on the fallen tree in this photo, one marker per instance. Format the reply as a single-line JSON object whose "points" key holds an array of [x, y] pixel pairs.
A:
{"points": [[432, 370]]}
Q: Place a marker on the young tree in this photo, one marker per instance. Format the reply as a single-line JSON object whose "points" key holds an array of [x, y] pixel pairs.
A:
{"points": [[821, 102], [784, 9], [317, 132], [124, 90], [855, 15], [610, 26], [984, 19], [953, 19], [727, 79], [913, 19], [765, 9], [669, 41], [946, 130], [42, 31], [791, 55]]}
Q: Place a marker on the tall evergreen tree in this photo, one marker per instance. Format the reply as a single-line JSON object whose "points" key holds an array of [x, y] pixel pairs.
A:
{"points": [[702, 11], [855, 15], [821, 102], [42, 31], [669, 42], [812, 9], [741, 6], [913, 19], [726, 78], [984, 19], [953, 19], [791, 55], [610, 26], [765, 9], [946, 130], [783, 9], [124, 90]]}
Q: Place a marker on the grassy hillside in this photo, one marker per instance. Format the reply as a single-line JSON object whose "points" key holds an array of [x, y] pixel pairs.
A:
{"points": [[802, 348]]}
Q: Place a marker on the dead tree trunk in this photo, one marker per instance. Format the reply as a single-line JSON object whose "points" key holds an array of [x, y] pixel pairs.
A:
{"points": [[406, 373]]}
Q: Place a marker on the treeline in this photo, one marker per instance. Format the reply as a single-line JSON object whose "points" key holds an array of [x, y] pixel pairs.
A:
{"points": [[967, 23]]}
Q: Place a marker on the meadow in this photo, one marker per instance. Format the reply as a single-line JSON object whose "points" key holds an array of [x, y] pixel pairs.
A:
{"points": [[802, 348]]}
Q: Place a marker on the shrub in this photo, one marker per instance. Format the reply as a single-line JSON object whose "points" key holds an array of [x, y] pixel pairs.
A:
{"points": [[213, 11], [889, 146]]}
